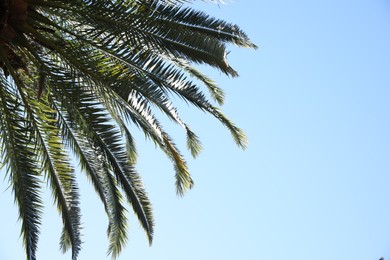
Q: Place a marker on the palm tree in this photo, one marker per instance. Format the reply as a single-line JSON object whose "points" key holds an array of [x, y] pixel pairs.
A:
{"points": [[74, 75]]}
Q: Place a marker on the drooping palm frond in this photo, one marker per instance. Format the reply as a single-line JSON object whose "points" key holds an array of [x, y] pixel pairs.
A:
{"points": [[20, 157], [74, 75]]}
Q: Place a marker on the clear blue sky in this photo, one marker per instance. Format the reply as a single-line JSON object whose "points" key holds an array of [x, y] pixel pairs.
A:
{"points": [[314, 182]]}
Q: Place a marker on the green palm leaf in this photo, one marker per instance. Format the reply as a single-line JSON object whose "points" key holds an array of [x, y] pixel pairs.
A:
{"points": [[76, 75], [22, 169]]}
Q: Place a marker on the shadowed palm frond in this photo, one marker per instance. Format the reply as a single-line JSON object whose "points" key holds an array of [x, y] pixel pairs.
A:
{"points": [[76, 75], [20, 156]]}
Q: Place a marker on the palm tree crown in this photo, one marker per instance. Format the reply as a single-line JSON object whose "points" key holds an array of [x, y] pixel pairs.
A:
{"points": [[75, 74]]}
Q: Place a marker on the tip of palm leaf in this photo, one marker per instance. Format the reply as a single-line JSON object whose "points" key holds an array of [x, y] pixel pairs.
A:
{"points": [[219, 101], [149, 232], [224, 66], [253, 46], [193, 143], [231, 72], [150, 238], [115, 247], [183, 187], [239, 137], [241, 140], [218, 95], [246, 44]]}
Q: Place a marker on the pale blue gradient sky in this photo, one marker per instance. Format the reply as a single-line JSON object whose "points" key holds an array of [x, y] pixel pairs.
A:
{"points": [[314, 182]]}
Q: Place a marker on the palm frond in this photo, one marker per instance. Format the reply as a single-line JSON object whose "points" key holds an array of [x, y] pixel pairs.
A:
{"points": [[107, 137], [97, 168], [22, 169], [55, 162], [76, 75]]}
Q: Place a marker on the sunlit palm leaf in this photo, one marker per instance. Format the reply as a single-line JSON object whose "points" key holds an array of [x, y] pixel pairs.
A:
{"points": [[80, 72]]}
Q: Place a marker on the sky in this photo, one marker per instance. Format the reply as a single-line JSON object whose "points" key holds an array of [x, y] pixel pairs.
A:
{"points": [[314, 182]]}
